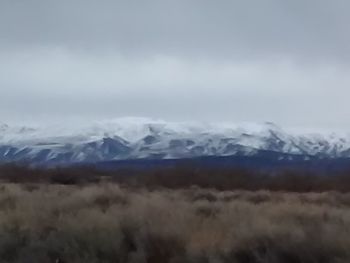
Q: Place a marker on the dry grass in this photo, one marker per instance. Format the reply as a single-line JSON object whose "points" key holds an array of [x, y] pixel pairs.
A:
{"points": [[106, 223]]}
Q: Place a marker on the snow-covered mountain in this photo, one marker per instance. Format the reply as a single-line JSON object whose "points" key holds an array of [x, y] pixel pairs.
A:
{"points": [[138, 138]]}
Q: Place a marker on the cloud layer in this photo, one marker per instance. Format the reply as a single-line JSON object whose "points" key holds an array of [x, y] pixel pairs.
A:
{"points": [[282, 61]]}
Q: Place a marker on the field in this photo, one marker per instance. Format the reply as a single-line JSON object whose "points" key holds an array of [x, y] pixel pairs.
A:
{"points": [[106, 222]]}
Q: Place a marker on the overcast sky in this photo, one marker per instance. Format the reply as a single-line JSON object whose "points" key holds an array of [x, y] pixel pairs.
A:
{"points": [[285, 61]]}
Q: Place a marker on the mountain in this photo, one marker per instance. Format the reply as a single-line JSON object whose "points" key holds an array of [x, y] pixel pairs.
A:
{"points": [[139, 138]]}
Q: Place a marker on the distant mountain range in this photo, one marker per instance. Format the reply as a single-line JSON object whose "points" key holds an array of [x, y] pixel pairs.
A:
{"points": [[146, 139]]}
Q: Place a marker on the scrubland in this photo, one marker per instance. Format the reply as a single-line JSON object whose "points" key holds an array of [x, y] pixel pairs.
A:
{"points": [[106, 222]]}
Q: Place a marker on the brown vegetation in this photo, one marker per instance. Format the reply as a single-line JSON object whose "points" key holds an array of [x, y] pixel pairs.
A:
{"points": [[180, 214], [107, 223], [183, 177]]}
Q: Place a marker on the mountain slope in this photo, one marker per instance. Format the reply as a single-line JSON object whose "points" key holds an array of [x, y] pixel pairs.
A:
{"points": [[138, 138]]}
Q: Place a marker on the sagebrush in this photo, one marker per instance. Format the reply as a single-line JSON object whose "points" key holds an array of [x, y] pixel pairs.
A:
{"points": [[107, 223]]}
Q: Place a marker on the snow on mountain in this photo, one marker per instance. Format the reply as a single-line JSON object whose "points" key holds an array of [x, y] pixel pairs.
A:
{"points": [[133, 138]]}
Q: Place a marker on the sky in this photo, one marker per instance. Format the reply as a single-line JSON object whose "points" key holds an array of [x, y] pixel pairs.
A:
{"points": [[283, 61]]}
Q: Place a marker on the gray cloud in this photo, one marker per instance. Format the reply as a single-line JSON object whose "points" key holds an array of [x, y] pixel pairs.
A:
{"points": [[311, 29], [284, 61]]}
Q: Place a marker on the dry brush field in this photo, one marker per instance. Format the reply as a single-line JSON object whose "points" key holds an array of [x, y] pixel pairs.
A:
{"points": [[108, 223]]}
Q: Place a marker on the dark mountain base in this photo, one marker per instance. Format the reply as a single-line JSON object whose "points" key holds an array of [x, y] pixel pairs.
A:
{"points": [[264, 161]]}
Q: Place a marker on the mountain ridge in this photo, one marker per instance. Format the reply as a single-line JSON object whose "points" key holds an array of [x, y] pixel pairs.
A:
{"points": [[141, 138]]}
